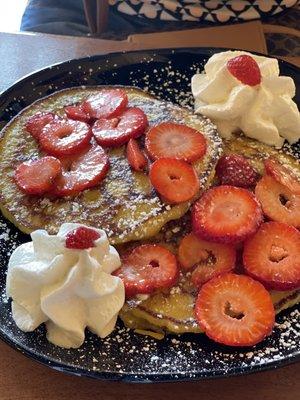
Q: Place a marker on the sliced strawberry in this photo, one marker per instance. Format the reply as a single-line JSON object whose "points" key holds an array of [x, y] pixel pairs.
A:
{"points": [[175, 141], [82, 171], [36, 123], [283, 175], [135, 156], [235, 310], [272, 256], [81, 238], [117, 131], [77, 113], [148, 268], [37, 176], [236, 170], [278, 202], [108, 103], [245, 69], [65, 137], [226, 214], [175, 180], [206, 259]]}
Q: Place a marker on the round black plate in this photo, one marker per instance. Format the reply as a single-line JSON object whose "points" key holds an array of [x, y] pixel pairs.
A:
{"points": [[125, 355]]}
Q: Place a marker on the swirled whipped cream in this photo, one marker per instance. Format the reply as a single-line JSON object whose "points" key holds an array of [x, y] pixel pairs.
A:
{"points": [[265, 112], [68, 289]]}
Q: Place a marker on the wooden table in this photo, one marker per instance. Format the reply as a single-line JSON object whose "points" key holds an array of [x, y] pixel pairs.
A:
{"points": [[22, 378], [22, 54]]}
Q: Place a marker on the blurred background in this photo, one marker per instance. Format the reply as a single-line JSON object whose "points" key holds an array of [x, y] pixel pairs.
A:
{"points": [[11, 14], [277, 20], [116, 20]]}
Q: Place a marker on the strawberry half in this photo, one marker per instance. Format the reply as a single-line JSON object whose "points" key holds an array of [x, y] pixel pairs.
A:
{"points": [[170, 140], [65, 137], [81, 238], [236, 170], [117, 131], [36, 123], [108, 103], [175, 180], [37, 177], [282, 175], [278, 202], [135, 156], [272, 256], [82, 171], [235, 310], [206, 259], [226, 214], [245, 69], [147, 268]]}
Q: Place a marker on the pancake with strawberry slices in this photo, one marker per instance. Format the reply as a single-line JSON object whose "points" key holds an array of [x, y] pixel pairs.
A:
{"points": [[172, 310], [116, 198], [271, 256]]}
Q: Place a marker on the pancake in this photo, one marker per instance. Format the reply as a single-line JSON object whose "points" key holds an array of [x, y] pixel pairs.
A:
{"points": [[256, 152], [172, 311], [125, 205]]}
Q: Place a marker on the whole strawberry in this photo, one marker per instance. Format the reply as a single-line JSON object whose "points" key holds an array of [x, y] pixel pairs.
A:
{"points": [[235, 170], [81, 238], [245, 69]]}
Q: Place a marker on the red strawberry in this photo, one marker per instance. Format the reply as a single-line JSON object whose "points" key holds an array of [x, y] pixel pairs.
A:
{"points": [[135, 156], [175, 141], [236, 170], [175, 180], [81, 172], [235, 310], [282, 175], [117, 131], [65, 137], [108, 103], [148, 268], [272, 256], [207, 259], [81, 238], [37, 176], [245, 69], [278, 202], [77, 113], [36, 123], [226, 214]]}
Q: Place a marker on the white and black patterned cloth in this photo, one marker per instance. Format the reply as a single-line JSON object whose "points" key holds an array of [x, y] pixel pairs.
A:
{"points": [[196, 10]]}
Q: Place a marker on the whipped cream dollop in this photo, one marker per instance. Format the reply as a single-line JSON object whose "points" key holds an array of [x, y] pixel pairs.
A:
{"points": [[265, 112], [67, 289]]}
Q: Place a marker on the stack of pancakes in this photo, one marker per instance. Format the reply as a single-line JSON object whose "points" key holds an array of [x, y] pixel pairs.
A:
{"points": [[125, 204]]}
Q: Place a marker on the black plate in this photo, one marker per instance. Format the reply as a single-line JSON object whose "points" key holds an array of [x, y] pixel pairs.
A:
{"points": [[125, 355]]}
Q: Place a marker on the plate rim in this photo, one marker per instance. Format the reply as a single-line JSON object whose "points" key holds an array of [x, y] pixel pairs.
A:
{"points": [[126, 377], [43, 359]]}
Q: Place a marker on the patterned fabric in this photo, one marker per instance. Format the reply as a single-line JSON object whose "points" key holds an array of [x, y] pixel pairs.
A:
{"points": [[67, 18], [281, 44], [205, 10]]}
